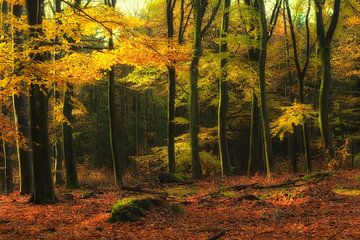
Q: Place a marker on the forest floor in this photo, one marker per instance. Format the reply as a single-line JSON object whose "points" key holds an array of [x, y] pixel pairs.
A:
{"points": [[327, 208]]}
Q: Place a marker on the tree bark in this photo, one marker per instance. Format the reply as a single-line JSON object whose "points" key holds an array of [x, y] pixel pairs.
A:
{"points": [[262, 88], [43, 185], [71, 180], [171, 92], [325, 38], [193, 98], [223, 93]]}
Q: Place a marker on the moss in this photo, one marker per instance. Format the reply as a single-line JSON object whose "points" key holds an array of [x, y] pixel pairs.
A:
{"points": [[317, 175], [181, 191], [177, 209], [229, 194], [181, 176], [346, 191], [132, 209]]}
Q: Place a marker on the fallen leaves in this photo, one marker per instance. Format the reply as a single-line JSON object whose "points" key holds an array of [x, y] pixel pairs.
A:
{"points": [[315, 211]]}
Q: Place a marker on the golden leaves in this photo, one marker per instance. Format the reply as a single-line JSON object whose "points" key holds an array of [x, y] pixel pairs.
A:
{"points": [[292, 116]]}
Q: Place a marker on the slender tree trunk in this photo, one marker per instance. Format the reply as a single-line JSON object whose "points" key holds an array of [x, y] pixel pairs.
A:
{"points": [[171, 117], [146, 121], [254, 135], [193, 98], [223, 94], [9, 184], [57, 145], [22, 123], [69, 159], [325, 39], [171, 91], [2, 168], [301, 77], [291, 136], [23, 155], [262, 87], [117, 165]]}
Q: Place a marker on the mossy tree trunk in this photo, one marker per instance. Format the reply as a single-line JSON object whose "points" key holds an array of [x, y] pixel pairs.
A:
{"points": [[324, 39], [223, 93], [199, 8], [193, 98]]}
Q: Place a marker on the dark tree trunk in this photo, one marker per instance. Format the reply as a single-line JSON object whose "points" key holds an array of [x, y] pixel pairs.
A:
{"points": [[325, 38], [171, 91], [71, 179], [9, 185], [223, 94], [253, 162], [117, 166], [43, 186]]}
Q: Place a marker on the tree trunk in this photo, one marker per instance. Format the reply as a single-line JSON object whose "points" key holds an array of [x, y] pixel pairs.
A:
{"points": [[223, 94], [262, 87], [171, 117], [69, 160], [253, 162], [43, 186], [325, 60], [193, 98], [117, 165], [9, 184], [171, 92]]}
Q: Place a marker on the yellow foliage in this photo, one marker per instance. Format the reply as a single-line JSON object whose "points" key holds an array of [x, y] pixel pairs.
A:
{"points": [[292, 116]]}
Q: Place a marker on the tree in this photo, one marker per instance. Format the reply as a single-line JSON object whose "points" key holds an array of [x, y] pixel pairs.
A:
{"points": [[223, 92], [324, 40], [71, 180], [199, 11], [301, 75], [262, 83], [43, 186], [170, 4], [117, 165]]}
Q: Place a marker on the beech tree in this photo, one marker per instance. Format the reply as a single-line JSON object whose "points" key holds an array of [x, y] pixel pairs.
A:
{"points": [[324, 39], [43, 185]]}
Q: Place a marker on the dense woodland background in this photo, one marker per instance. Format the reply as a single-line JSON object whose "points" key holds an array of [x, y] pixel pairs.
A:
{"points": [[194, 88]]}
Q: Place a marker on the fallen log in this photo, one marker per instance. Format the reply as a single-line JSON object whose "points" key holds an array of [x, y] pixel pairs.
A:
{"points": [[142, 190]]}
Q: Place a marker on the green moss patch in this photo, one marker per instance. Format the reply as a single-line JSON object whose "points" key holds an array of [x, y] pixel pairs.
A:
{"points": [[132, 209], [347, 191]]}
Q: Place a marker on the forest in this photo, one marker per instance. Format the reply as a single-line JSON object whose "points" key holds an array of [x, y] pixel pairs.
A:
{"points": [[179, 119]]}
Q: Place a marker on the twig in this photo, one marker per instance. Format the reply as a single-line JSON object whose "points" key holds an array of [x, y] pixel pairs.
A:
{"points": [[337, 233], [218, 235]]}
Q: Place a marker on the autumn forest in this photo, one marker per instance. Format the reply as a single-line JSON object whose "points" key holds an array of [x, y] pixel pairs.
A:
{"points": [[179, 119]]}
